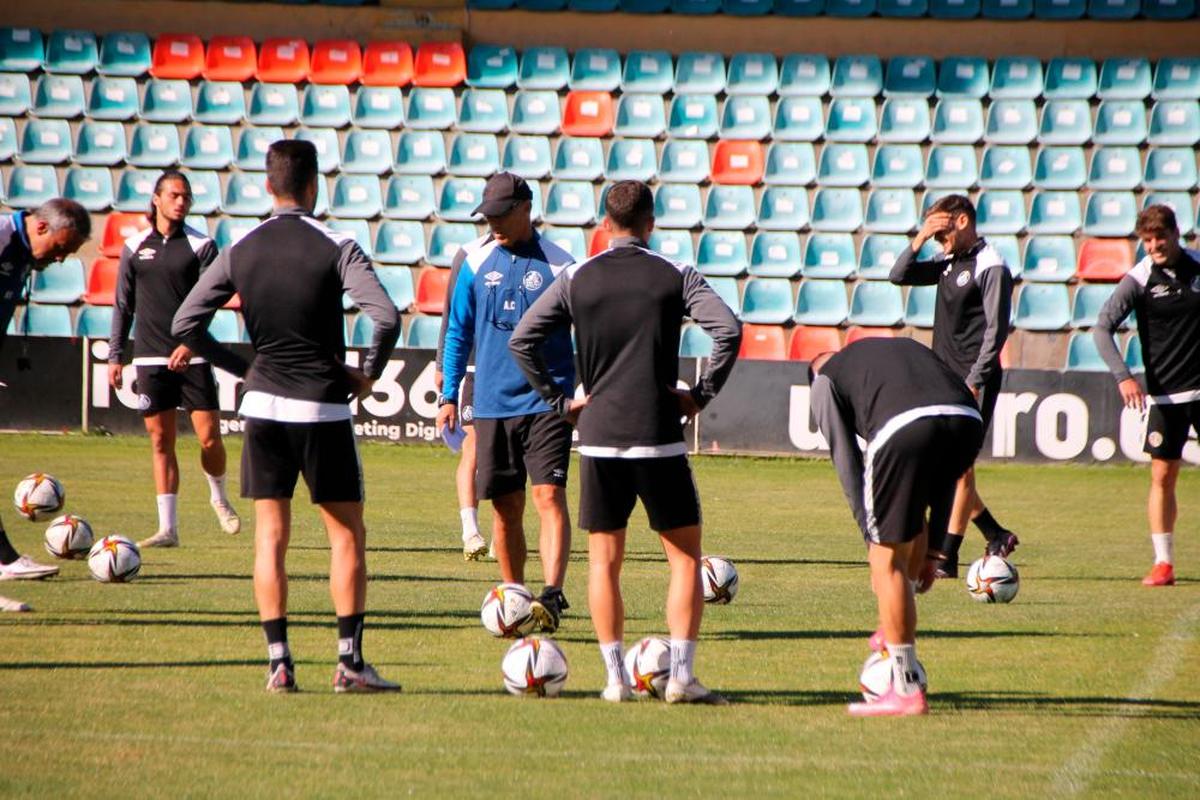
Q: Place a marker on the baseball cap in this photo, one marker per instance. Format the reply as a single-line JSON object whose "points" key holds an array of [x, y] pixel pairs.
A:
{"points": [[501, 193]]}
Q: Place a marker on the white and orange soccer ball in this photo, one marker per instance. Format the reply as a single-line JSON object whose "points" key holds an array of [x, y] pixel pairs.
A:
{"points": [[114, 559], [38, 496], [993, 579], [719, 578], [68, 536], [875, 679], [507, 611], [534, 667], [648, 665]]}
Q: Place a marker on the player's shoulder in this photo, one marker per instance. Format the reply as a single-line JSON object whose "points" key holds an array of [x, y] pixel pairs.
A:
{"points": [[988, 257]]}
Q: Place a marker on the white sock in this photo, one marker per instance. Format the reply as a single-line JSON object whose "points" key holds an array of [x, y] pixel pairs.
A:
{"points": [[1164, 547], [167, 520], [216, 488], [683, 653], [613, 663], [904, 668], [470, 521]]}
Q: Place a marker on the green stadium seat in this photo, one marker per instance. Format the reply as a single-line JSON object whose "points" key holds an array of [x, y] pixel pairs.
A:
{"points": [[829, 255], [910, 76], [804, 74], [71, 52], [31, 185], [1125, 78], [950, 166], [1065, 122], [246, 195], [1174, 122], [752, 74], [799, 119], [1016, 78], [46, 141], [767, 301], [821, 302], [21, 49], [166, 100], [919, 306], [447, 239], [378, 107], [876, 304], [1089, 299], [1176, 79], [527, 156], [124, 53], [579, 158], [1110, 214], [699, 73], [1120, 122], [421, 153], [423, 333], [694, 342], [251, 152], [569, 239], [783, 208], [744, 117], [857, 76], [898, 166], [1005, 167], [674, 244], [1054, 212], [491, 67], [94, 322], [1070, 78], [677, 205], [648, 71], [544, 68], [1042, 307], [1133, 354], [325, 106], [1059, 168], [369, 152], [790, 164], [631, 160], [329, 157], [1000, 211], [61, 283], [536, 112], [570, 203], [837, 210], [683, 161], [694, 116], [1170, 169], [722, 253], [891, 211], [409, 197], [400, 242], [776, 254], [273, 104], [905, 120], [963, 76], [206, 192], [640, 115], [483, 111], [154, 146], [1117, 168], [431, 108], [1059, 9], [458, 199], [1082, 354], [851, 119], [1049, 259], [219, 103], [843, 165], [730, 208], [595, 69], [879, 253], [957, 120], [59, 96], [1007, 9]]}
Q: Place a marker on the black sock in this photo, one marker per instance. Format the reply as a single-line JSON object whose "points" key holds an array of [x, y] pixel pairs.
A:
{"points": [[987, 524], [950, 546], [277, 644], [7, 553], [350, 630]]}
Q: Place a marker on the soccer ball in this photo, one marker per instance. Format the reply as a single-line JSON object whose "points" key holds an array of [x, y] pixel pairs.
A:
{"points": [[506, 611], [720, 580], [114, 559], [992, 579], [68, 536], [534, 667], [648, 664], [38, 496], [875, 680]]}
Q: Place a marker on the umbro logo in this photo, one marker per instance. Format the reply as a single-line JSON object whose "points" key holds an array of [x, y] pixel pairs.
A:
{"points": [[492, 279]]}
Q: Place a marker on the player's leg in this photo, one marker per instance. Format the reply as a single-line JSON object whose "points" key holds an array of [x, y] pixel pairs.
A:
{"points": [[546, 449], [162, 428], [1166, 434], [207, 424]]}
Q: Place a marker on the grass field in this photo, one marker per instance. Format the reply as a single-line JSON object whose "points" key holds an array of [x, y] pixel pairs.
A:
{"points": [[1087, 685]]}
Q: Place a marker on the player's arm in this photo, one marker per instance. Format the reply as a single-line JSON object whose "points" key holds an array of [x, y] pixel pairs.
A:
{"points": [[548, 313], [124, 301], [996, 285], [834, 419], [716, 319], [1112, 314], [362, 284], [190, 325]]}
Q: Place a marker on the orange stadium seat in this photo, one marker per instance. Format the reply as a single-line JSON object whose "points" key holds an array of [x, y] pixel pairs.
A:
{"points": [[588, 114], [440, 64], [763, 342], [1104, 259], [599, 241], [283, 61], [738, 162], [387, 64], [856, 332], [431, 290], [177, 55], [102, 282], [230, 58], [809, 341], [336, 61], [118, 227]]}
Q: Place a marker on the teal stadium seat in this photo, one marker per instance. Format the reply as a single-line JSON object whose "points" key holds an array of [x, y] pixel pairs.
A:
{"points": [[829, 255], [45, 320], [1059, 9], [837, 210], [783, 208], [431, 108], [677, 205], [745, 117], [569, 239], [694, 342], [876, 304], [1176, 79], [21, 49], [640, 115], [1171, 169], [94, 322], [821, 302], [154, 145], [910, 76], [767, 301], [546, 68], [1059, 168], [790, 164], [776, 254], [15, 95], [1120, 122], [483, 111], [879, 253], [579, 158], [631, 160], [527, 156], [31, 185], [694, 116], [891, 211], [207, 147], [421, 153], [458, 199], [424, 333], [1124, 79], [273, 104], [799, 119], [1054, 212], [727, 290], [851, 119], [378, 107], [674, 244], [1070, 78], [536, 112], [1082, 354], [124, 53], [1089, 299], [843, 165], [206, 192], [329, 157], [1174, 122], [722, 253], [251, 152], [804, 74], [471, 154], [898, 166], [61, 283], [72, 52], [963, 76], [166, 101], [953, 9], [570, 203], [325, 106], [649, 71], [856, 76], [904, 119], [1013, 122], [369, 152], [919, 306], [1117, 168], [1065, 122], [957, 120], [752, 74], [91, 187], [1005, 167], [446, 240], [683, 161], [59, 96], [1016, 78], [730, 208], [491, 67], [951, 166], [699, 73], [409, 197], [46, 141], [219, 103], [1110, 214], [595, 69], [1049, 259], [246, 195], [1000, 211], [399, 242]]}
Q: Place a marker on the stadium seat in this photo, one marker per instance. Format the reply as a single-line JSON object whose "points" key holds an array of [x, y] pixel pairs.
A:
{"points": [[674, 244], [837, 210], [1012, 122], [251, 153], [595, 69], [694, 342], [1124, 79], [527, 156], [1042, 307], [851, 119], [640, 115], [1059, 9], [283, 60], [1110, 214], [31, 185], [21, 49], [1180, 203], [1067, 122], [219, 103], [432, 284], [570, 203], [458, 199], [569, 239], [579, 159], [722, 253], [424, 333], [71, 52], [963, 77], [246, 194], [1133, 354], [230, 231], [45, 320], [876, 304], [177, 56], [335, 62], [441, 64], [124, 53], [273, 104], [763, 343], [1104, 259], [387, 64], [1049, 259], [1059, 168], [752, 74], [648, 71], [15, 95], [154, 146], [1089, 299], [483, 111], [898, 166], [370, 152], [809, 341], [1016, 78], [904, 119], [1082, 354], [400, 242], [790, 164], [1005, 167], [957, 121], [804, 74], [694, 116], [1000, 211], [1174, 122], [46, 141], [1070, 79], [329, 157], [1176, 79], [446, 240], [776, 254], [821, 302], [738, 162], [102, 281], [843, 165], [544, 68], [230, 58], [1054, 212], [1170, 169], [857, 76], [683, 161], [677, 206], [59, 96], [409, 197], [166, 100], [431, 108], [829, 255], [1120, 122], [783, 208], [699, 73], [746, 117], [587, 113], [632, 160], [950, 166], [767, 301], [799, 119], [730, 208], [910, 76], [421, 153], [891, 211], [206, 192], [1116, 168], [94, 322], [117, 228], [61, 283], [378, 107], [325, 106], [535, 112]]}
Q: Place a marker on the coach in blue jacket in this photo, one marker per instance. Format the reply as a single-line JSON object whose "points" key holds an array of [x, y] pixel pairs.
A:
{"points": [[517, 434]]}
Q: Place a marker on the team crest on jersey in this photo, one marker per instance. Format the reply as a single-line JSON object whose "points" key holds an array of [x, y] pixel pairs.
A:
{"points": [[492, 279], [532, 281], [146, 254], [963, 278]]}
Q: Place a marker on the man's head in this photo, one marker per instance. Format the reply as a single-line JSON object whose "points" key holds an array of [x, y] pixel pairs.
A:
{"points": [[507, 205], [292, 173], [172, 199], [629, 209], [956, 229], [1159, 232], [56, 229]]}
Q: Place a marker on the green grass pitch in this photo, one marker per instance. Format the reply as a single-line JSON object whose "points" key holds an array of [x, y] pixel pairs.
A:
{"points": [[1087, 685]]}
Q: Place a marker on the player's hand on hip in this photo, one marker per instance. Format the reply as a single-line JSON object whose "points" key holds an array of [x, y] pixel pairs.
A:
{"points": [[1132, 394], [687, 404], [576, 407], [360, 382], [447, 417], [180, 359], [116, 375]]}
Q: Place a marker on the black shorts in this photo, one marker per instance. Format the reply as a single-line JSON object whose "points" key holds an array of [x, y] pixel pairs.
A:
{"points": [[916, 470], [161, 389], [509, 449], [1167, 429], [609, 487], [987, 398], [274, 454], [466, 400]]}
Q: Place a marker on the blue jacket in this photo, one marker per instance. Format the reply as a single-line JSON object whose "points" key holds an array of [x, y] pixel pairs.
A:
{"points": [[16, 258], [495, 288]]}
